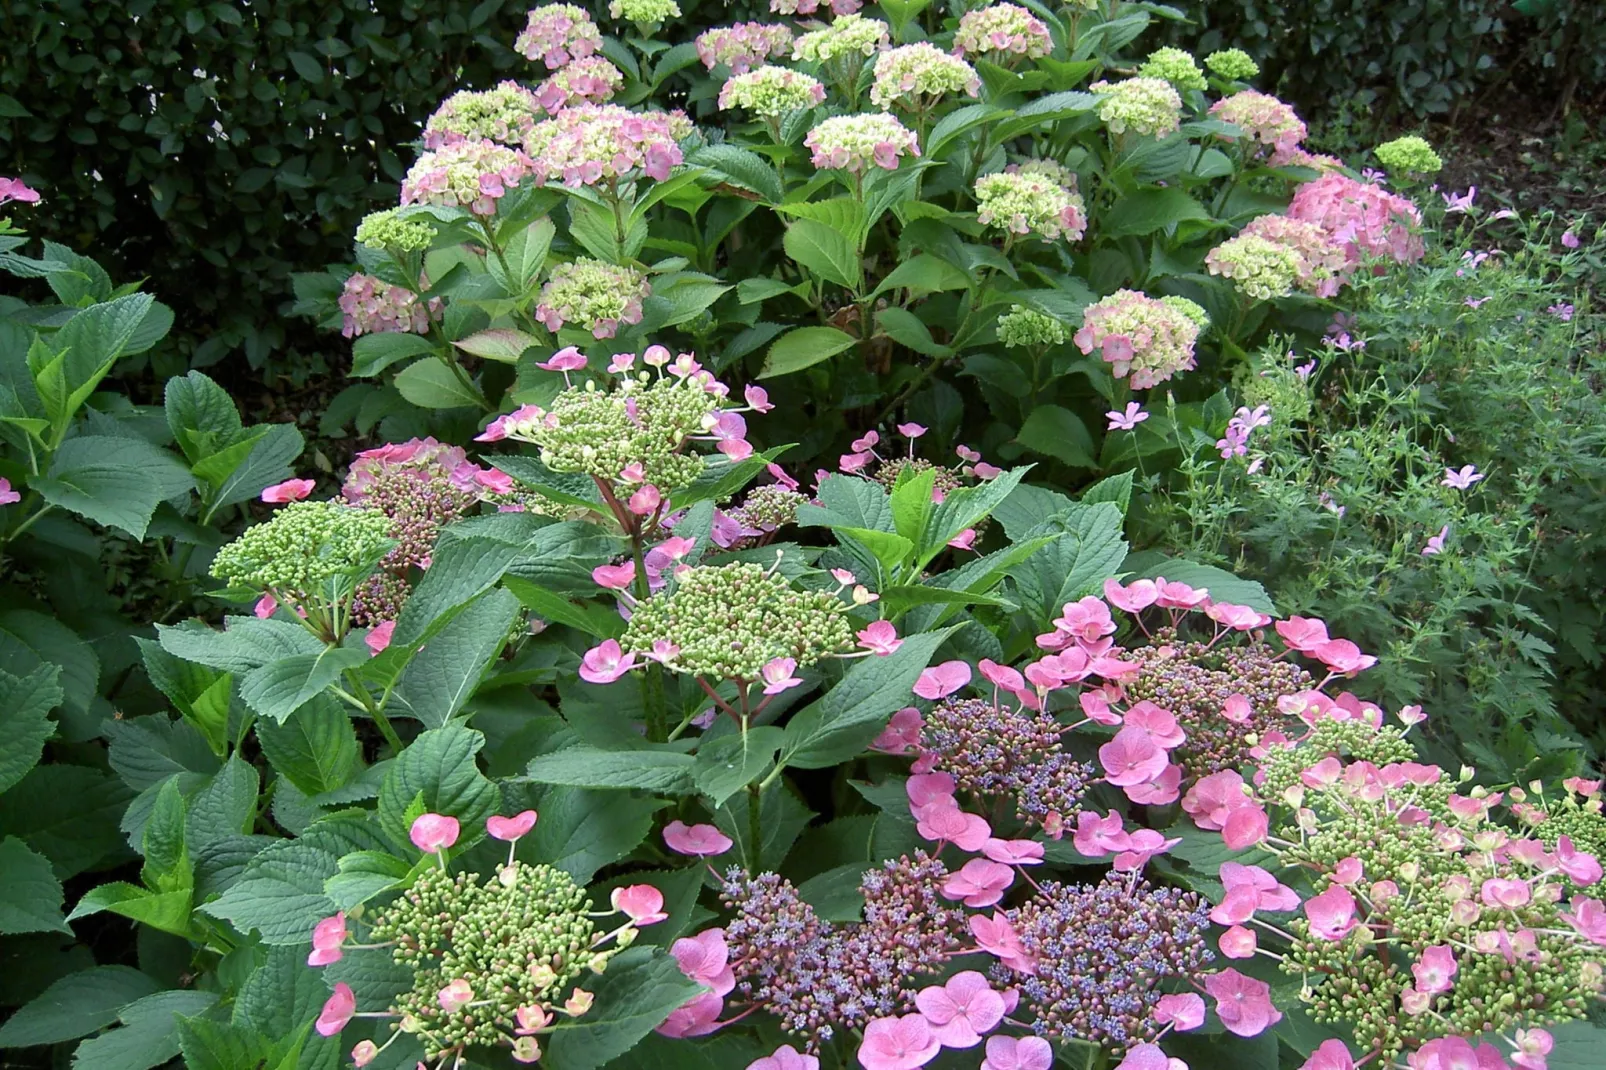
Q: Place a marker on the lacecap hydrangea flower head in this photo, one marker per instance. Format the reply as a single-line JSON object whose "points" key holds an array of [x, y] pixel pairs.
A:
{"points": [[855, 143], [468, 174], [1023, 200], [848, 35], [1263, 118], [591, 144], [644, 12], [1152, 339], [1022, 326], [1145, 106], [369, 305], [1409, 155], [1002, 32], [743, 46], [1174, 66], [391, 230], [558, 34], [589, 80], [1232, 63], [503, 115], [1366, 220], [771, 92], [915, 76], [593, 295]]}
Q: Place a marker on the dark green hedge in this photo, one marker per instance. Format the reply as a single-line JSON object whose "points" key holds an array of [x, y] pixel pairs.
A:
{"points": [[216, 148]]}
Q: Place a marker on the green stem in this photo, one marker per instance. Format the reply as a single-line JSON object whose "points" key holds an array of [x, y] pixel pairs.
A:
{"points": [[26, 524], [363, 701]]}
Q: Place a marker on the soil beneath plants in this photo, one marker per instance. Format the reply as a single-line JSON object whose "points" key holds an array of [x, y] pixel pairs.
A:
{"points": [[1522, 155]]}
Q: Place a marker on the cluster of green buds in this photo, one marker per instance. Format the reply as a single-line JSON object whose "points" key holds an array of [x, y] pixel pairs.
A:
{"points": [[730, 622], [632, 434], [493, 962], [1022, 326], [395, 230], [1409, 155], [310, 556], [1174, 66], [1434, 919], [1575, 813]]}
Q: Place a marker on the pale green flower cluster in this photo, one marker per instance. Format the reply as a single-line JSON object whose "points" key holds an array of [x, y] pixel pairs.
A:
{"points": [[1259, 267], [1322, 261], [592, 294], [643, 420], [729, 621], [519, 941], [304, 547], [846, 36], [1004, 30], [387, 230], [1022, 326], [856, 142], [1174, 66], [916, 75], [1233, 63], [644, 11], [1192, 310], [504, 115], [1409, 155], [1023, 203], [1052, 170], [771, 92], [1148, 106]]}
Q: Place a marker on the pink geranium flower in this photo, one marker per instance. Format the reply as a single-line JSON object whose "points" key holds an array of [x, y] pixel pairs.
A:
{"points": [[328, 937], [431, 833], [898, 1043], [291, 490], [705, 958], [641, 903], [961, 1011], [1462, 478], [378, 638], [776, 675], [511, 828], [1331, 914], [880, 638], [704, 841], [1018, 1053], [1242, 1003], [605, 663], [940, 681], [337, 1010], [1132, 757], [785, 1057], [1128, 420], [1182, 1011], [697, 1017], [979, 882]]}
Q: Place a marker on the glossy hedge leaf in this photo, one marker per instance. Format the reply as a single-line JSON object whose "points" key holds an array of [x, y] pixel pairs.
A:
{"points": [[923, 274], [907, 329], [503, 344], [727, 764], [430, 384], [200, 415], [69, 814], [637, 993], [837, 726], [117, 482], [75, 1006], [1150, 210], [1086, 550], [373, 353], [314, 748], [280, 892], [522, 257], [740, 167], [957, 122], [460, 571], [593, 618], [803, 347], [25, 705], [148, 1035], [824, 251], [439, 679], [279, 688], [30, 894], [440, 764], [1223, 585], [590, 767], [1059, 433], [581, 830]]}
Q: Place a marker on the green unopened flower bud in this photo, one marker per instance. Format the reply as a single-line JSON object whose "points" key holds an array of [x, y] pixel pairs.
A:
{"points": [[390, 231], [1233, 63], [1409, 155], [305, 546], [1022, 326]]}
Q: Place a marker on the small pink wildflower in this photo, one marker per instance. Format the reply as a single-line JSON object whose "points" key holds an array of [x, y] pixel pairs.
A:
{"points": [[704, 841], [880, 638], [605, 663], [776, 675], [512, 828], [642, 903], [337, 1010], [291, 490], [432, 833], [1128, 420]]}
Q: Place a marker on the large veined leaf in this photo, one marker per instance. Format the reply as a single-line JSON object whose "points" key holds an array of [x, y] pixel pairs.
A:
{"points": [[637, 993], [117, 482]]}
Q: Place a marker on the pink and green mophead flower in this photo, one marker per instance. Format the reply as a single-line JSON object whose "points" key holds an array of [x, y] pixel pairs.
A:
{"points": [[467, 174], [855, 143], [588, 144], [1002, 31], [557, 35], [743, 46]]}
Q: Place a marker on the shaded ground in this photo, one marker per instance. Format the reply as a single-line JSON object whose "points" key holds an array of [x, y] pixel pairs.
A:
{"points": [[1524, 156]]}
